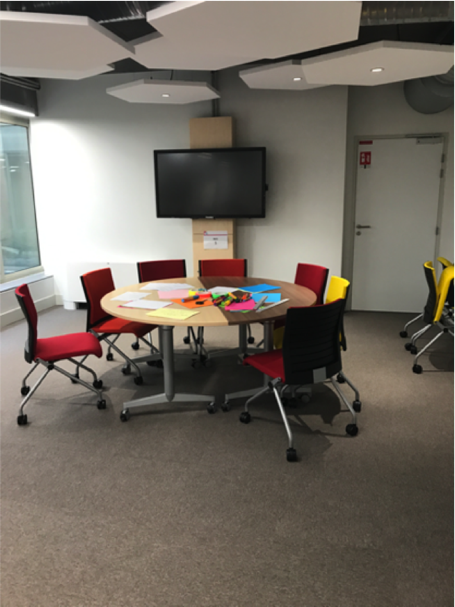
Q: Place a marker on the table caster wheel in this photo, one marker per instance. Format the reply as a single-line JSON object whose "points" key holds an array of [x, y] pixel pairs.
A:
{"points": [[22, 420], [352, 429], [226, 406], [291, 454], [135, 346], [25, 390], [403, 333], [245, 417], [357, 406], [139, 380], [417, 369], [211, 408], [126, 369], [98, 384], [125, 415], [109, 356], [101, 404]]}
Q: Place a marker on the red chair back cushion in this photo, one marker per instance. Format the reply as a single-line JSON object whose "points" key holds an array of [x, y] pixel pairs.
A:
{"points": [[222, 267], [96, 284], [28, 308], [161, 269], [314, 278]]}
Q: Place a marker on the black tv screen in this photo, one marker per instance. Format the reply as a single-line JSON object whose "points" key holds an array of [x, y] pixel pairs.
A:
{"points": [[218, 182]]}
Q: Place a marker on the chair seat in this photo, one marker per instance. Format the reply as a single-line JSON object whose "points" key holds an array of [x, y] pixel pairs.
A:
{"points": [[271, 363], [117, 325], [52, 349]]}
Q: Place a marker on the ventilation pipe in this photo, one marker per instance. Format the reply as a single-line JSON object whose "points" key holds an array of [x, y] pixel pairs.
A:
{"points": [[430, 95]]}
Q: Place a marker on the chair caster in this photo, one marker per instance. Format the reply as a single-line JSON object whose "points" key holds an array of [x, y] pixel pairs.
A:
{"points": [[352, 429], [74, 381], [226, 406], [340, 379], [98, 384], [186, 340], [139, 380], [357, 406], [126, 369], [408, 346], [413, 350], [251, 340], [211, 408], [196, 363], [135, 346], [109, 356], [403, 333], [291, 454], [155, 363], [417, 369], [22, 420], [25, 390], [245, 417], [125, 415], [101, 404]]}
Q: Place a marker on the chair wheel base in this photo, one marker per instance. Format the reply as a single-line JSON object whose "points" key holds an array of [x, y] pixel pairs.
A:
{"points": [[340, 379], [135, 346], [155, 363], [211, 408], [125, 415], [109, 356], [226, 406], [98, 384], [352, 429], [357, 406], [25, 390], [22, 420], [413, 350], [186, 340], [126, 369], [101, 404], [138, 380], [417, 369], [250, 340], [408, 346], [245, 417], [403, 333], [291, 454]]}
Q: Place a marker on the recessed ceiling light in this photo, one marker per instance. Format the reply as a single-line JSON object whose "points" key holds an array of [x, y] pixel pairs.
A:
{"points": [[165, 95], [377, 69], [297, 78]]}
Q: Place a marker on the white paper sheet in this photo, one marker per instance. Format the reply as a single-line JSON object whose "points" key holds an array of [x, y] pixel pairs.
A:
{"points": [[129, 296], [146, 304], [222, 290], [166, 286]]}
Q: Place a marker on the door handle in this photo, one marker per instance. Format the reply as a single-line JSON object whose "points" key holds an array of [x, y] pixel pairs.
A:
{"points": [[364, 227]]}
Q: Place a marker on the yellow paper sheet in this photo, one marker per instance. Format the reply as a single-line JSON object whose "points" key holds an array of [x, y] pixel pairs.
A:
{"points": [[172, 313]]}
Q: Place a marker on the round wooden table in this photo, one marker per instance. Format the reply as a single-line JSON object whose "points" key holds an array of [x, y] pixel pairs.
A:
{"points": [[210, 316]]}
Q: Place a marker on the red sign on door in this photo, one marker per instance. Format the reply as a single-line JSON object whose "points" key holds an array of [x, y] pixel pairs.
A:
{"points": [[365, 158]]}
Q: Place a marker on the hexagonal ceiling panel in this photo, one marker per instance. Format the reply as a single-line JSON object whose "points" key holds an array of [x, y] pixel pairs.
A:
{"points": [[157, 52], [379, 63], [167, 92], [257, 30], [287, 75], [58, 46]]}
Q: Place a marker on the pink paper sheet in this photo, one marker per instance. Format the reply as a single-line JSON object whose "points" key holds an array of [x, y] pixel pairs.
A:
{"points": [[240, 307], [177, 294]]}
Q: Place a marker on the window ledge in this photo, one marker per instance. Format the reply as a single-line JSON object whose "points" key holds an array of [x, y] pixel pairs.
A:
{"points": [[12, 284]]}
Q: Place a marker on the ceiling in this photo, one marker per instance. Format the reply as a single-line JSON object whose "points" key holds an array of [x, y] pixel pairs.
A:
{"points": [[425, 22]]}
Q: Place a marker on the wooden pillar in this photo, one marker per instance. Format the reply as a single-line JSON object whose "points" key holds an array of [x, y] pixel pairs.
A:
{"points": [[214, 132]]}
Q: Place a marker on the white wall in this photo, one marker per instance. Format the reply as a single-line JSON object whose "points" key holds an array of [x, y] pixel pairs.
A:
{"points": [[92, 159], [383, 110]]}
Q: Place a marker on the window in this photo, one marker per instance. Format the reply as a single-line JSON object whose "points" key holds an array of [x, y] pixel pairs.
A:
{"points": [[20, 254]]}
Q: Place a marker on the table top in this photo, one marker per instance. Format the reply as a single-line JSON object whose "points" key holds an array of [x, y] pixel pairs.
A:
{"points": [[211, 315]]}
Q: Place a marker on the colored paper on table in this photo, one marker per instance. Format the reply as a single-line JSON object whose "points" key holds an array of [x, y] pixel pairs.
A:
{"points": [[271, 297], [165, 286], [146, 304], [173, 314], [195, 303], [259, 288], [243, 306], [176, 294], [129, 296]]}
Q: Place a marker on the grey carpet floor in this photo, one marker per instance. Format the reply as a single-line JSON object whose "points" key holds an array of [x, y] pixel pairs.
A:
{"points": [[179, 508]]}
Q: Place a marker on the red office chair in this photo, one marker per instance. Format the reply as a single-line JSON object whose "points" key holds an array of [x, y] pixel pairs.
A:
{"points": [[311, 354], [96, 285], [50, 350]]}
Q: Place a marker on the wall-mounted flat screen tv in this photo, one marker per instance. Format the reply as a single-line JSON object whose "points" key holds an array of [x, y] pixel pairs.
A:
{"points": [[218, 182]]}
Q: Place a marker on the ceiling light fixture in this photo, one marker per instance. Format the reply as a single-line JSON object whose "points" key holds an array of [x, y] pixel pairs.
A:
{"points": [[165, 95], [16, 112], [377, 69], [297, 79]]}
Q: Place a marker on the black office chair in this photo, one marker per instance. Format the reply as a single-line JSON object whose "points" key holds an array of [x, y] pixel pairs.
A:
{"points": [[311, 354]]}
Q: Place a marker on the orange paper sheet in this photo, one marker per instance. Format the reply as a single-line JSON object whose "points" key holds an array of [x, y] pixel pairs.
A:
{"points": [[193, 304]]}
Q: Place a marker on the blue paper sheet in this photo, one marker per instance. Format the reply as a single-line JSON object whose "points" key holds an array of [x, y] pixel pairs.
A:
{"points": [[259, 288], [271, 297]]}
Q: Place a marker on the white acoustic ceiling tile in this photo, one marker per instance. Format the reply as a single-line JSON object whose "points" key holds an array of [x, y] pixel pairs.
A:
{"points": [[36, 44], [60, 74], [260, 30], [157, 52], [163, 91], [287, 75], [397, 60]]}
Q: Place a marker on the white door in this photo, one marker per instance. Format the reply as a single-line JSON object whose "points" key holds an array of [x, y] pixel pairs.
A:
{"points": [[396, 215]]}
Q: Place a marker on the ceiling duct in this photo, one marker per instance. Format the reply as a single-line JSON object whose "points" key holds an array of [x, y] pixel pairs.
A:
{"points": [[395, 13], [430, 95]]}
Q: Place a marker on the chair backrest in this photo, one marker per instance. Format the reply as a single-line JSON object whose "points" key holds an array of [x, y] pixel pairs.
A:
{"points": [[28, 308], [445, 292], [161, 269], [313, 277], [223, 267], [432, 299], [446, 264], [96, 284], [338, 289], [311, 344]]}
